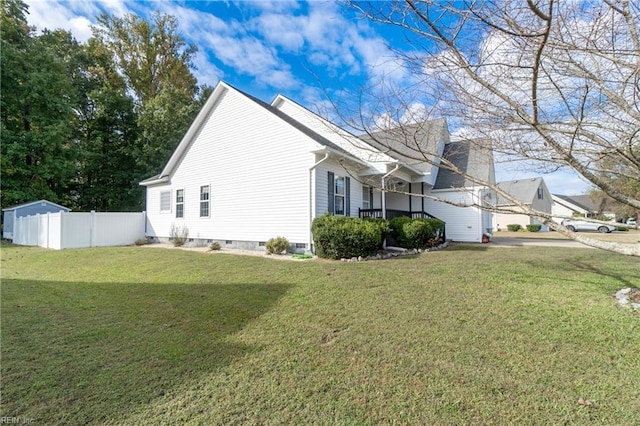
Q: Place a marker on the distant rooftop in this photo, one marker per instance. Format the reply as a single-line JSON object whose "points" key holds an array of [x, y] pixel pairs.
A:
{"points": [[524, 190]]}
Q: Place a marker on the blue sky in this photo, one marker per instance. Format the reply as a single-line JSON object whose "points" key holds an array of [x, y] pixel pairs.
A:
{"points": [[304, 50]]}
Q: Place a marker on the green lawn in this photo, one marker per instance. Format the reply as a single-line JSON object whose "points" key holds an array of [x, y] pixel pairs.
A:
{"points": [[469, 335]]}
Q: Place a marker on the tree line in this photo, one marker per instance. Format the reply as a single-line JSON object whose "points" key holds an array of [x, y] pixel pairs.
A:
{"points": [[83, 123]]}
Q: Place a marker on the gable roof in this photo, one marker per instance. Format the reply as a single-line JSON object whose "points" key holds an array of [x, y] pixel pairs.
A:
{"points": [[346, 140], [304, 129], [524, 190], [30, 203], [215, 97], [415, 145], [585, 202], [570, 203], [471, 158]]}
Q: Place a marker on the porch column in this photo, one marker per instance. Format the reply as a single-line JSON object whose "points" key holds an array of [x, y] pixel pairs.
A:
{"points": [[410, 197], [384, 194]]}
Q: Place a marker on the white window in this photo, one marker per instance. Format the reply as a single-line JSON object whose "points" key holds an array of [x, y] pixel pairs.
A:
{"points": [[365, 197], [179, 203], [165, 201], [339, 195], [204, 201]]}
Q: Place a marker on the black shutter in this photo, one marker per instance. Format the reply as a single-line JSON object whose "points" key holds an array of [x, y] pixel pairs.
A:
{"points": [[370, 197], [347, 202], [332, 187]]}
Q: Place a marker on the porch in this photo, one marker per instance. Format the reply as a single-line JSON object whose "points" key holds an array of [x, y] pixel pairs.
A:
{"points": [[391, 213]]}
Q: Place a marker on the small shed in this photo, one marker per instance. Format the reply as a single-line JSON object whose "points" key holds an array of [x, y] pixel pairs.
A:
{"points": [[27, 209]]}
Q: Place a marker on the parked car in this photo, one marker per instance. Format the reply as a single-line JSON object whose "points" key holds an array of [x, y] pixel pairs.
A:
{"points": [[632, 222], [582, 225]]}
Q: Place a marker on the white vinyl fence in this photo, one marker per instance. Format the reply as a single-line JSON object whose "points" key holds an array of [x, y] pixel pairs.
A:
{"points": [[77, 230]]}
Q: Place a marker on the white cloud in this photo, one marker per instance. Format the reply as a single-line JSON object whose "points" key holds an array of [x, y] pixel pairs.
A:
{"points": [[262, 46], [54, 15], [281, 30], [74, 16], [274, 5]]}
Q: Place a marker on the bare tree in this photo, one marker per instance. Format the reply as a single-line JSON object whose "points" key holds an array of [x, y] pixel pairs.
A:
{"points": [[549, 83]]}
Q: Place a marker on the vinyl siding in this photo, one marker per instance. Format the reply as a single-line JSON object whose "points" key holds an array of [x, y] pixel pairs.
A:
{"points": [[340, 137], [501, 220], [321, 184], [462, 223], [257, 167], [546, 203], [397, 201]]}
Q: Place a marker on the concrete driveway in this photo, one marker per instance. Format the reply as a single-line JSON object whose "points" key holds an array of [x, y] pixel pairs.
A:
{"points": [[522, 242], [553, 239]]}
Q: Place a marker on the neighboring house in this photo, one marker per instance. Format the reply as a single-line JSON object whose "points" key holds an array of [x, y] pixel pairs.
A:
{"points": [[531, 192], [27, 209], [247, 171], [579, 206]]}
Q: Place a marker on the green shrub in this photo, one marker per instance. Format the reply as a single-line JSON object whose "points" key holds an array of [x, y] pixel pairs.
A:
{"points": [[416, 233], [215, 246], [514, 227], [337, 237], [178, 235], [622, 228], [277, 245], [534, 228]]}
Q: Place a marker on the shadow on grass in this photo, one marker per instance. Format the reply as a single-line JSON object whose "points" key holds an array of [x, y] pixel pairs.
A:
{"points": [[78, 353], [623, 280]]}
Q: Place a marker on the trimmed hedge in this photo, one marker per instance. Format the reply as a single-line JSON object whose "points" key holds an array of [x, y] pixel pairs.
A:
{"points": [[416, 233], [514, 227], [534, 228], [337, 237]]}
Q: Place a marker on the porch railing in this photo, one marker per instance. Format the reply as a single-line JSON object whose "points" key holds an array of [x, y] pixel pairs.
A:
{"points": [[391, 213]]}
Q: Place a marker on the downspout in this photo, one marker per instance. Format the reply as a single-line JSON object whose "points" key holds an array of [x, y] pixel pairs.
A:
{"points": [[384, 195], [481, 214], [326, 156]]}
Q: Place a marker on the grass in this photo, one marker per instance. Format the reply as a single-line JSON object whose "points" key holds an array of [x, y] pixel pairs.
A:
{"points": [[469, 335]]}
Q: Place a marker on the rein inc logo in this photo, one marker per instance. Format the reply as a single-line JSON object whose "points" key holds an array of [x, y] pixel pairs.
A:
{"points": [[7, 420]]}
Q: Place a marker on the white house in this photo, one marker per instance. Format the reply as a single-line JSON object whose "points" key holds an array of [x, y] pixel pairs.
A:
{"points": [[580, 206], [247, 171], [532, 192]]}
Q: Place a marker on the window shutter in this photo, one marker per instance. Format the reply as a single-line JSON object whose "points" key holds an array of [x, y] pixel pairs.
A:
{"points": [[370, 197], [347, 201], [332, 187]]}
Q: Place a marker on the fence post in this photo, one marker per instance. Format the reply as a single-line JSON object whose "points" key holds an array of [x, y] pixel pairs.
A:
{"points": [[92, 229], [48, 227], [62, 246], [37, 230]]}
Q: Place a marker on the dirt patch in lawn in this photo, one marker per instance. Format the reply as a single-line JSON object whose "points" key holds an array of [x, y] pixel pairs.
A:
{"points": [[240, 252]]}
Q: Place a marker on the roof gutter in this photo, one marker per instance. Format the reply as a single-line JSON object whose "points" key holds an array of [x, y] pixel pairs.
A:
{"points": [[311, 204], [163, 179]]}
